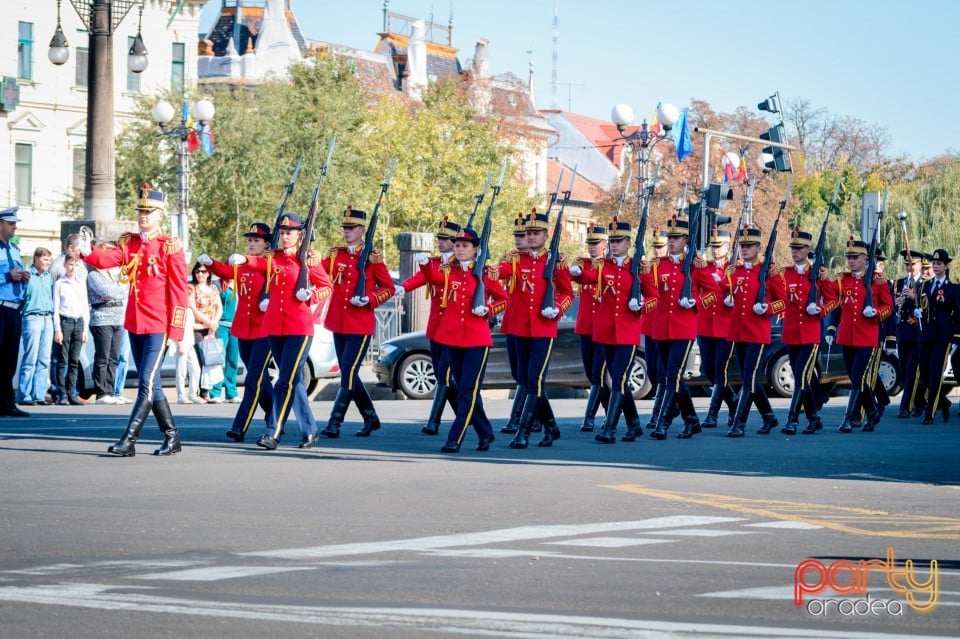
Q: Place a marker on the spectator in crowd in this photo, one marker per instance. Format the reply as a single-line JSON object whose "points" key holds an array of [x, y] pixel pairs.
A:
{"points": [[36, 340], [71, 246], [71, 316], [120, 379], [204, 300], [188, 367], [108, 298], [13, 280], [231, 346]]}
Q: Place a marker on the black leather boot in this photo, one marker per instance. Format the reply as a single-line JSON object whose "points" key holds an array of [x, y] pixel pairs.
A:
{"points": [[691, 423], [793, 413], [171, 436], [551, 431], [593, 403], [853, 411], [125, 447], [337, 413], [666, 414], [608, 434], [872, 411], [657, 405], [440, 395], [371, 421], [530, 408], [769, 423], [738, 429], [632, 417], [731, 399], [519, 397], [716, 399]]}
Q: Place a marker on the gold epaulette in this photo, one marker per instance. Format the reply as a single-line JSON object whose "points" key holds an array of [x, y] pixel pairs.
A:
{"points": [[562, 261], [492, 272], [376, 257], [171, 245], [775, 270], [646, 267], [332, 252], [699, 262], [269, 254], [313, 258], [126, 237]]}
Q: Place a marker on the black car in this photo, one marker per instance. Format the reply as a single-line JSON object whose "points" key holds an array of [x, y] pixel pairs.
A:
{"points": [[404, 365]]}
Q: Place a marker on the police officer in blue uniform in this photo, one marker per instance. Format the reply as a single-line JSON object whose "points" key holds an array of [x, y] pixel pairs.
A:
{"points": [[13, 281], [908, 336]]}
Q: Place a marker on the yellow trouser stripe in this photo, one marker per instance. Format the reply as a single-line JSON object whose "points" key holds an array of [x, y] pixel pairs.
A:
{"points": [[683, 365], [809, 367], [473, 395], [626, 372], [356, 362], [256, 394], [543, 369], [290, 385]]}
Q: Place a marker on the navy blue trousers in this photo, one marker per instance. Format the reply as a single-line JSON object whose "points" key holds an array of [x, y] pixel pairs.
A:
{"points": [[594, 360], [748, 357], [533, 361], [148, 353], [467, 366], [255, 354], [714, 353], [289, 391]]}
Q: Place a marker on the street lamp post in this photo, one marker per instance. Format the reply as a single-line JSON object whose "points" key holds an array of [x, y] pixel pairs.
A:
{"points": [[101, 18], [163, 113], [642, 141]]}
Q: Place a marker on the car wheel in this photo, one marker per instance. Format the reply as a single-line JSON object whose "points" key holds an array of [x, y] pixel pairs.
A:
{"points": [[639, 381], [781, 377], [889, 374], [415, 377]]}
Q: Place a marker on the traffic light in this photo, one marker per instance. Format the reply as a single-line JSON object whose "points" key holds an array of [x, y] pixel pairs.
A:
{"points": [[718, 195], [781, 159], [770, 104]]}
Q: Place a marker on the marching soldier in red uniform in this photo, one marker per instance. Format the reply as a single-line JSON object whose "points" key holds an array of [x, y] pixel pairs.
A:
{"points": [[250, 330], [674, 328], [535, 326], [289, 323], [155, 266], [801, 329], [713, 326], [939, 310], [616, 328], [352, 320], [591, 353], [750, 331], [513, 259], [464, 334], [858, 331], [654, 372], [446, 390]]}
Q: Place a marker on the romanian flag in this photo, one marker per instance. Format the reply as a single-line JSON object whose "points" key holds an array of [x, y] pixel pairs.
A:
{"points": [[742, 168], [193, 141], [655, 122]]}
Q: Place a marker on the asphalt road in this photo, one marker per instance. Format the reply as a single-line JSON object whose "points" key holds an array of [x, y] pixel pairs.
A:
{"points": [[387, 537]]}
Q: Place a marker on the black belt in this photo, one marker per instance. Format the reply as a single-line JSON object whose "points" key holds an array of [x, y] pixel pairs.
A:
{"points": [[40, 314], [106, 305]]}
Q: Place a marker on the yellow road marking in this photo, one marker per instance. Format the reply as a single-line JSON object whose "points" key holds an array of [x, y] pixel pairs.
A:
{"points": [[854, 521]]}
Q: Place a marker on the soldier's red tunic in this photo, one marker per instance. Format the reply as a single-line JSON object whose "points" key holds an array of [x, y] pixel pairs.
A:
{"points": [[157, 271], [855, 329], [793, 288], [248, 282], [342, 316], [286, 315], [714, 317], [433, 291], [528, 289], [588, 298], [458, 326], [614, 323], [744, 285], [663, 280]]}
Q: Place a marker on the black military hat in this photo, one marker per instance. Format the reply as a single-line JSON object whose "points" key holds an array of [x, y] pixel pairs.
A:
{"points": [[519, 225], [353, 217], [258, 229], [659, 237], [149, 198], [940, 255], [537, 221], [911, 257], [468, 235], [880, 256], [856, 247], [677, 228], [800, 238], [749, 235], [719, 236], [619, 230], [447, 229], [596, 233], [290, 222]]}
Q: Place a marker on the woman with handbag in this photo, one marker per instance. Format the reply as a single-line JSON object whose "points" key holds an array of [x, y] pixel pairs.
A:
{"points": [[204, 300]]}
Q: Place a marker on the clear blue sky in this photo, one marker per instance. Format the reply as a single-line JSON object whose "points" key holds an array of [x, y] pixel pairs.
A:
{"points": [[894, 64]]}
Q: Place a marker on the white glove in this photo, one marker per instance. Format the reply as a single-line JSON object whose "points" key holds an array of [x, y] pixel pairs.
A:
{"points": [[399, 291], [359, 301], [264, 303], [550, 312], [204, 260], [421, 258], [634, 304], [869, 312], [728, 301], [236, 259], [85, 245], [760, 309], [918, 313], [687, 302], [480, 311], [813, 309], [829, 340], [716, 277], [304, 294], [576, 271]]}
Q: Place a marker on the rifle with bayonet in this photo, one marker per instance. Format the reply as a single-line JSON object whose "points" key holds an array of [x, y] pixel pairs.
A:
{"points": [[693, 238], [303, 277], [480, 196], [483, 250], [549, 295], [360, 290], [623, 198], [872, 256], [768, 254], [288, 189], [814, 274], [639, 249]]}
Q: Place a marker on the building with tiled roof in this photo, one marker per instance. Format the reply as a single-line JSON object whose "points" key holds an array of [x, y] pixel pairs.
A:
{"points": [[595, 146], [579, 210]]}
